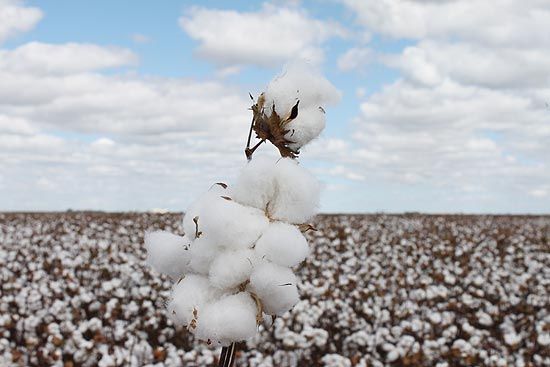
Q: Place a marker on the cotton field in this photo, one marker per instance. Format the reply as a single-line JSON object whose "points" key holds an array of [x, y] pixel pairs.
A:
{"points": [[376, 290]]}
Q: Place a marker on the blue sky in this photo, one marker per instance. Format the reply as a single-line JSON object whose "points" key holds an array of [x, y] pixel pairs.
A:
{"points": [[140, 105]]}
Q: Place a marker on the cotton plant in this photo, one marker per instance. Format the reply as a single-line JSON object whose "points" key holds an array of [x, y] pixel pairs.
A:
{"points": [[232, 269]]}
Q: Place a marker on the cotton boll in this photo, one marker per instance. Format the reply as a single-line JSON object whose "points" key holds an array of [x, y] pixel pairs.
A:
{"points": [[300, 83], [192, 292], [230, 319], [231, 268], [226, 223], [276, 287], [282, 244], [255, 185], [296, 195], [168, 253], [306, 127]]}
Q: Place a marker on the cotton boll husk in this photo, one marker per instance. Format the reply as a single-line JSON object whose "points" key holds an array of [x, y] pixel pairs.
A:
{"points": [[282, 244], [306, 127], [168, 253], [296, 195], [230, 319], [276, 287], [202, 252], [255, 185], [231, 268], [226, 223], [192, 292]]}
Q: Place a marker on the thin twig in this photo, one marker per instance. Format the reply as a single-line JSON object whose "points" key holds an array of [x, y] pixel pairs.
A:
{"points": [[247, 149]]}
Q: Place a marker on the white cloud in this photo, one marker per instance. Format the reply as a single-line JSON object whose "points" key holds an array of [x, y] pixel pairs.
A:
{"points": [[429, 62], [355, 58], [93, 103], [16, 18], [268, 37], [160, 141], [443, 131], [498, 22], [468, 113], [69, 58]]}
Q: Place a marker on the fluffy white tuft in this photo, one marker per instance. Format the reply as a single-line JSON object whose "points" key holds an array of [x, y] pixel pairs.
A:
{"points": [[297, 193], [307, 126], [226, 223], [276, 287], [228, 319], [192, 292], [289, 192], [202, 253], [168, 253], [282, 244], [255, 185], [231, 268]]}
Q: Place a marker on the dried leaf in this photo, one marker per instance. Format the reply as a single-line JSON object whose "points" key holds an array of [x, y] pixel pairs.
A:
{"points": [[304, 227], [226, 198]]}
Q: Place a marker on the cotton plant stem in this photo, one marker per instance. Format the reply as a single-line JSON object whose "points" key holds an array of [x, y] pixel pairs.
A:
{"points": [[227, 356]]}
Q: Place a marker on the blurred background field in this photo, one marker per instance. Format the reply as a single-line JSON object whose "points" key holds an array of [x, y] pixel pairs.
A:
{"points": [[378, 290]]}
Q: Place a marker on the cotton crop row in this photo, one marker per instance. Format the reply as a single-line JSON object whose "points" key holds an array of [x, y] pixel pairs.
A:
{"points": [[375, 290]]}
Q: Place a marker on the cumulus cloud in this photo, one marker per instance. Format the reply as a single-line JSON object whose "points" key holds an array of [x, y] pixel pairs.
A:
{"points": [[267, 37], [69, 58], [499, 22], [16, 18], [468, 111], [103, 140], [430, 62]]}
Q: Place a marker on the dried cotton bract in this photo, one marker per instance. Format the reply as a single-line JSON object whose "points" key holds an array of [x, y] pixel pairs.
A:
{"points": [[233, 266]]}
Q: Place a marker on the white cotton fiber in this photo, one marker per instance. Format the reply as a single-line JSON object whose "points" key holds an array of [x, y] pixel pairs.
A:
{"points": [[198, 205], [296, 195], [231, 268], [282, 244], [306, 127], [276, 287], [202, 253], [192, 292], [255, 185], [226, 223], [232, 318], [168, 253], [299, 82]]}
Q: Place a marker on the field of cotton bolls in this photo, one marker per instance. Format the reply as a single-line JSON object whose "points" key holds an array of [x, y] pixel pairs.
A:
{"points": [[376, 290]]}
